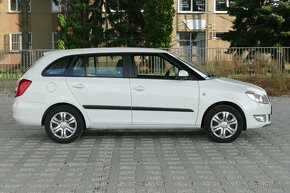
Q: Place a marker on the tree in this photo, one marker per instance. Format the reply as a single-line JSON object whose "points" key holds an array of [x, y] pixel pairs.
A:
{"points": [[127, 23], [284, 10], [158, 16], [24, 7], [80, 24], [259, 23], [25, 53], [140, 23], [133, 23]]}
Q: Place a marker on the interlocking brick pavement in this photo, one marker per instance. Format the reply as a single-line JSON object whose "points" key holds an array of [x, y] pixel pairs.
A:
{"points": [[145, 161]]}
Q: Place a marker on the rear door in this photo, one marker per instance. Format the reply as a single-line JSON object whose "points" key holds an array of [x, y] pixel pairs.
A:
{"points": [[100, 84]]}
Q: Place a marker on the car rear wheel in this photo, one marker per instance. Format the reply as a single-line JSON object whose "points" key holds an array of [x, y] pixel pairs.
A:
{"points": [[63, 124], [223, 123]]}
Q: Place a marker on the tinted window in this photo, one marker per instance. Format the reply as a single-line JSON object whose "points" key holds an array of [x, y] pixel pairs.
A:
{"points": [[78, 67], [105, 66], [58, 67], [98, 66]]}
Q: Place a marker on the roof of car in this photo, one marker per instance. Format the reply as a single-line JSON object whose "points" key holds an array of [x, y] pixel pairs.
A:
{"points": [[105, 50]]}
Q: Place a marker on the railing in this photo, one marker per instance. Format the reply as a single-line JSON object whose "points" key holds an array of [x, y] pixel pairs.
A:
{"points": [[239, 60], [14, 64], [223, 61]]}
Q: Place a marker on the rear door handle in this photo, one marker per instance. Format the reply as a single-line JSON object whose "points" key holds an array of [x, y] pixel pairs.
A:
{"points": [[139, 88], [79, 85]]}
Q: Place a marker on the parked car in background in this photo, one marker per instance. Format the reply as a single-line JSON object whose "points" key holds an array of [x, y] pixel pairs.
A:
{"points": [[68, 91]]}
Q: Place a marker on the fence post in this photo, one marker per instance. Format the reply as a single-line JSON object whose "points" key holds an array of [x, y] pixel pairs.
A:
{"points": [[190, 52], [281, 59]]}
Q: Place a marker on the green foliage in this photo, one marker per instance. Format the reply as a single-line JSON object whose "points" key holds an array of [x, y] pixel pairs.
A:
{"points": [[259, 23], [12, 75], [81, 28], [133, 23], [127, 23], [158, 16]]}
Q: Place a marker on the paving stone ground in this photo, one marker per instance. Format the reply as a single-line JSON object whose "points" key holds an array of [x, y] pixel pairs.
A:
{"points": [[145, 161]]}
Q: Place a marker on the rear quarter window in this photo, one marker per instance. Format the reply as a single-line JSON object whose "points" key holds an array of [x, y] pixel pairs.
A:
{"points": [[58, 67]]}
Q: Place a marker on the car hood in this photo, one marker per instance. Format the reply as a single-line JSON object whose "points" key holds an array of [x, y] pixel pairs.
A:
{"points": [[241, 85]]}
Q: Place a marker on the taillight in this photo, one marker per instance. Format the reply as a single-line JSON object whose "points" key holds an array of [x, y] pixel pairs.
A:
{"points": [[22, 86]]}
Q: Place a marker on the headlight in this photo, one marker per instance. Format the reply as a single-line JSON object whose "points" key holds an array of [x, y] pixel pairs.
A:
{"points": [[258, 98]]}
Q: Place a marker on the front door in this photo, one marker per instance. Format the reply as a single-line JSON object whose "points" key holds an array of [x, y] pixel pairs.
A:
{"points": [[159, 97]]}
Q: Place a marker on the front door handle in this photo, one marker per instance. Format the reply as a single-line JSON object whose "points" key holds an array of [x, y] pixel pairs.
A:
{"points": [[79, 85], [139, 88]]}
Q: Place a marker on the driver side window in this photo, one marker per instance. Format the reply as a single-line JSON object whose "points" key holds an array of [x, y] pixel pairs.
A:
{"points": [[154, 67]]}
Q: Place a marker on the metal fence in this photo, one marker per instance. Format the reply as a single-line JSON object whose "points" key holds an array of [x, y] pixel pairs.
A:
{"points": [[14, 64], [240, 60]]}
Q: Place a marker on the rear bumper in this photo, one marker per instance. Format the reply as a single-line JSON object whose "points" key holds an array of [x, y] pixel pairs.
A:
{"points": [[28, 113]]}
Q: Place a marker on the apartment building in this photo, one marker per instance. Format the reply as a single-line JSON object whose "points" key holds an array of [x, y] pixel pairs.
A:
{"points": [[197, 23], [42, 24]]}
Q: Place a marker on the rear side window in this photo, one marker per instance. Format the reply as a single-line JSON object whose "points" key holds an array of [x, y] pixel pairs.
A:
{"points": [[98, 66], [105, 66], [57, 68], [78, 68]]}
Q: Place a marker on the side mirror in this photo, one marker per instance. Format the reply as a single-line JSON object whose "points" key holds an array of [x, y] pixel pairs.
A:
{"points": [[183, 75]]}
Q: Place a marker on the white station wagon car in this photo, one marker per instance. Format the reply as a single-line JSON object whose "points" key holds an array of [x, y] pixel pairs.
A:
{"points": [[121, 88]]}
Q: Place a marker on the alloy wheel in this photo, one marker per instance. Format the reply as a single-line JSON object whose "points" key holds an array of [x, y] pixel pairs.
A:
{"points": [[224, 125], [63, 125]]}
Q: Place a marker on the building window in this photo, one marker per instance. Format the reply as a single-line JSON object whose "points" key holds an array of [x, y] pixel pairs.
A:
{"points": [[184, 39], [15, 6], [191, 45], [55, 6], [222, 5], [14, 42], [192, 5], [187, 39], [54, 40], [217, 35]]}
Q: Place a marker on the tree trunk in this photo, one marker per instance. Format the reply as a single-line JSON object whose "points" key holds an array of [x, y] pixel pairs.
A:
{"points": [[25, 54]]}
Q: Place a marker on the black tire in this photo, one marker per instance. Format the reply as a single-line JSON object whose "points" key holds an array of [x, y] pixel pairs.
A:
{"points": [[67, 123], [223, 123]]}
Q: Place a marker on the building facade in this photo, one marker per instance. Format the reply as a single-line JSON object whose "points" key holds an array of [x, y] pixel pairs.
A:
{"points": [[197, 24], [42, 24]]}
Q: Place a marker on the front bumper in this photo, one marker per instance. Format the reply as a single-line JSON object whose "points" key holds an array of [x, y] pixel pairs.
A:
{"points": [[258, 115]]}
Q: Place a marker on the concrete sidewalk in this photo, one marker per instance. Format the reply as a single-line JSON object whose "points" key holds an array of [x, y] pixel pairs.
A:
{"points": [[145, 161]]}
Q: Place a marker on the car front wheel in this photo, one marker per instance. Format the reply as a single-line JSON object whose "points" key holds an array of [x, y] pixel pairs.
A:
{"points": [[63, 124], [223, 123]]}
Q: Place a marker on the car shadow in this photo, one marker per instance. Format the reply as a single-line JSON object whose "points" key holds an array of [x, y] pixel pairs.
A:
{"points": [[146, 132]]}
